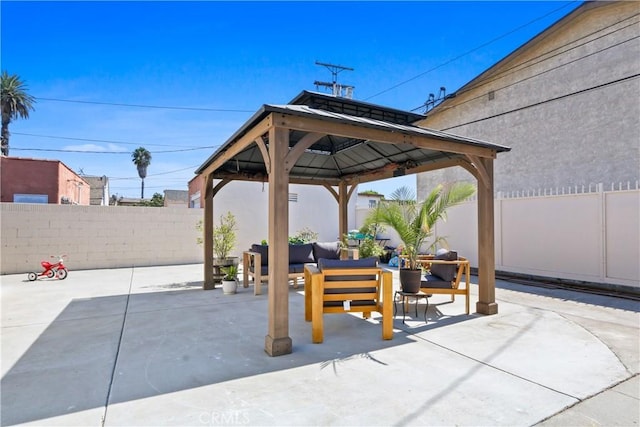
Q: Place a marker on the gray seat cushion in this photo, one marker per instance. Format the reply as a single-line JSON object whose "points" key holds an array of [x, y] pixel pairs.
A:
{"points": [[263, 250], [327, 250], [300, 254], [432, 281], [446, 272], [327, 264]]}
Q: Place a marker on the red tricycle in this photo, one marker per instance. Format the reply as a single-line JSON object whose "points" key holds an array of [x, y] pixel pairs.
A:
{"points": [[56, 269]]}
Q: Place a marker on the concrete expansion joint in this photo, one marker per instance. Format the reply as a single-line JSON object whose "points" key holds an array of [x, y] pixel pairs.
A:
{"points": [[489, 365], [597, 338], [608, 389]]}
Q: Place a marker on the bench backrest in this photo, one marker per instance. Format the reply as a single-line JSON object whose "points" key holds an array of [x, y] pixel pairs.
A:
{"points": [[356, 281]]}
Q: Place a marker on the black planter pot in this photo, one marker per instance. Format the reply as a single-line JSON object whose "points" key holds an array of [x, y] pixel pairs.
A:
{"points": [[410, 279]]}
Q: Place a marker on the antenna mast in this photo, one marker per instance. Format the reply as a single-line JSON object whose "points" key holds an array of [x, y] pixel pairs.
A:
{"points": [[337, 89]]}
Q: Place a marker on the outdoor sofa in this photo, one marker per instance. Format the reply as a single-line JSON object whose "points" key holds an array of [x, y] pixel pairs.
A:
{"points": [[255, 262]]}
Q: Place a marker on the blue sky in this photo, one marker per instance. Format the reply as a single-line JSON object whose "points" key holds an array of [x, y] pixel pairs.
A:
{"points": [[178, 78]]}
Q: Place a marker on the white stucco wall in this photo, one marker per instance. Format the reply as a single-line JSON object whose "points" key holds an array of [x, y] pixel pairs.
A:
{"points": [[121, 236]]}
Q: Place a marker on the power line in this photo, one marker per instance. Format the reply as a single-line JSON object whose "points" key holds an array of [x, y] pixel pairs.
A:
{"points": [[158, 174], [556, 52], [469, 52], [540, 73], [162, 107], [529, 63], [97, 140], [536, 104], [57, 150]]}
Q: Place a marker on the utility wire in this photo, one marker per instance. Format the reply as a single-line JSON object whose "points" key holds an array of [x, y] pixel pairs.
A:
{"points": [[538, 74], [536, 104], [556, 52], [57, 150], [118, 104], [469, 51], [529, 63], [158, 174], [98, 140]]}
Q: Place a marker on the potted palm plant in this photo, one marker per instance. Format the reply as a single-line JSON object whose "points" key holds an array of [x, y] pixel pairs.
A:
{"points": [[230, 279], [414, 222]]}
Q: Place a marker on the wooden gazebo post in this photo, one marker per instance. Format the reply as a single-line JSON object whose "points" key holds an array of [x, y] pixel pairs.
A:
{"points": [[486, 239], [208, 233], [277, 342]]}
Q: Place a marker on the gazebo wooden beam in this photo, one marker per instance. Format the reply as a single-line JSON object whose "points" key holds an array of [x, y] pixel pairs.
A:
{"points": [[349, 130], [244, 141]]}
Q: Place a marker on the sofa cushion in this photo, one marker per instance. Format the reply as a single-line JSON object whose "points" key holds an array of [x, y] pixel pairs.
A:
{"points": [[446, 272], [300, 254], [296, 268], [370, 262], [432, 281], [327, 250], [327, 264], [263, 250]]}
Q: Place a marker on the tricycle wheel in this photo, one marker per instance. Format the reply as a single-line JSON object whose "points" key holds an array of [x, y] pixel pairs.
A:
{"points": [[51, 274], [32, 276], [62, 273]]}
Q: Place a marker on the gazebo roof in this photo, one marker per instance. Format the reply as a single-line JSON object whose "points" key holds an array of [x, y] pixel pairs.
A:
{"points": [[357, 142]]}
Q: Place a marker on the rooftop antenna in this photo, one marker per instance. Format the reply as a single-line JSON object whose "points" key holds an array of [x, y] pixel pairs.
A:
{"points": [[337, 89], [432, 101]]}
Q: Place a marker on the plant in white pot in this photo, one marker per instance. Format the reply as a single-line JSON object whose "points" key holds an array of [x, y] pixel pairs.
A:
{"points": [[414, 222], [224, 241], [230, 279]]}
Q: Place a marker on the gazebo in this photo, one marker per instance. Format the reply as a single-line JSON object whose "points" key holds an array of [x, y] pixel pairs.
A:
{"points": [[338, 143]]}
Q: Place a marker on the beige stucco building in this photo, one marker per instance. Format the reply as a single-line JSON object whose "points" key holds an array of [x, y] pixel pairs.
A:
{"points": [[567, 102]]}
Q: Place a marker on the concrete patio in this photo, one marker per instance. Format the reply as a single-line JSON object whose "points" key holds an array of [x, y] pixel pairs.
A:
{"points": [[147, 346]]}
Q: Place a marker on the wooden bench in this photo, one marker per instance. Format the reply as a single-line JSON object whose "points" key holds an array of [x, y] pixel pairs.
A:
{"points": [[346, 286]]}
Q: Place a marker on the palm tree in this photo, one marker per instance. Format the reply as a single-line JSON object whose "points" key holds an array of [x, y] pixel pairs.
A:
{"points": [[16, 103], [142, 158], [414, 221]]}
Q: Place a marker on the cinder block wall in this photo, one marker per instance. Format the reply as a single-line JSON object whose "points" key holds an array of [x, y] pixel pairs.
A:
{"points": [[97, 236]]}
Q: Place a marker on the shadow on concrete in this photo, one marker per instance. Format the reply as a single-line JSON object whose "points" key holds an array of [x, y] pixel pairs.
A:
{"points": [[161, 342], [564, 293]]}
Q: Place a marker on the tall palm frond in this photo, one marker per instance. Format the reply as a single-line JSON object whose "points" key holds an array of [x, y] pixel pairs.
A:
{"points": [[16, 103]]}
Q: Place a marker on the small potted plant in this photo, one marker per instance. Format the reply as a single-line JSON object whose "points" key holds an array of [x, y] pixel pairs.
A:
{"points": [[224, 241], [230, 279]]}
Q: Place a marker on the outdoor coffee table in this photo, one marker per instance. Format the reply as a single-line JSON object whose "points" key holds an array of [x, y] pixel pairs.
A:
{"points": [[404, 297]]}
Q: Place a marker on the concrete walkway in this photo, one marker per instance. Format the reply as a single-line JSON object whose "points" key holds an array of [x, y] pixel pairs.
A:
{"points": [[146, 346]]}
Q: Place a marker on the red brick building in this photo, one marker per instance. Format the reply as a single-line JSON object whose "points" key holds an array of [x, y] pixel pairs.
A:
{"points": [[196, 192], [24, 180]]}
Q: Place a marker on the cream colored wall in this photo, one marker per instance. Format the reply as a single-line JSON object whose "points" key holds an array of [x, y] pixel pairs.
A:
{"points": [[315, 209], [593, 237]]}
